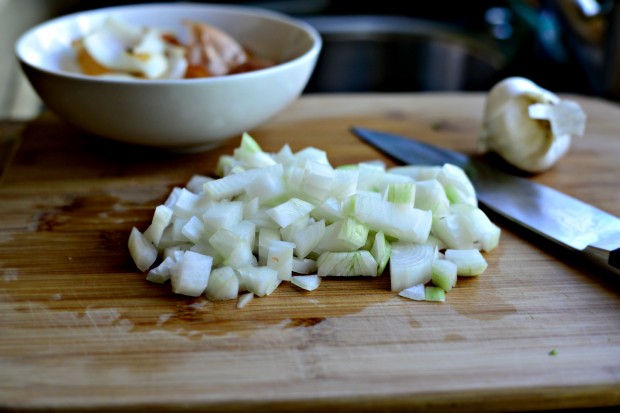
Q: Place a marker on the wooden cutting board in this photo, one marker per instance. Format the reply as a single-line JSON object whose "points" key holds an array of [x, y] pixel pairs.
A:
{"points": [[80, 328]]}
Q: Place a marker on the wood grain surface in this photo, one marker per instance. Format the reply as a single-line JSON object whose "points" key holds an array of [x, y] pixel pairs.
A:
{"points": [[81, 329]]}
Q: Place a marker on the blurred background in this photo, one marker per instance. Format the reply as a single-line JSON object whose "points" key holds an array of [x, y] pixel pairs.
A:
{"points": [[567, 46]]}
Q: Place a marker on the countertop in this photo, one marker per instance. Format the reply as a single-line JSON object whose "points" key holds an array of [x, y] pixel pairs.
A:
{"points": [[81, 328]]}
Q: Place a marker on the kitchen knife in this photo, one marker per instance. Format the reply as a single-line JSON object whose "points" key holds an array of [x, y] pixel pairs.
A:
{"points": [[558, 217]]}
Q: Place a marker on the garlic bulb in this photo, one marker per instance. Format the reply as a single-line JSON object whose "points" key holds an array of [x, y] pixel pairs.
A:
{"points": [[530, 127]]}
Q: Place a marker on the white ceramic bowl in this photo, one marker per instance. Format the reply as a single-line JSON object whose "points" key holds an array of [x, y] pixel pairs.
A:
{"points": [[187, 114]]}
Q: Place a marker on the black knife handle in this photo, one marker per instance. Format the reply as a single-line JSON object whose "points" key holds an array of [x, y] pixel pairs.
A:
{"points": [[607, 257], [614, 258]]}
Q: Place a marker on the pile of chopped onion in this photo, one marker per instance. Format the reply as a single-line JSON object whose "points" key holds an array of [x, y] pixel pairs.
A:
{"points": [[292, 217]]}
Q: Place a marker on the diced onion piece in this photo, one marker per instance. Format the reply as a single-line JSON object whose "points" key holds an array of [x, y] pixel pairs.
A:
{"points": [[173, 197], [410, 264], [175, 252], [250, 154], [317, 179], [444, 274], [288, 212], [141, 249], [310, 154], [347, 264], [240, 256], [306, 239], [434, 294], [374, 177], [245, 300], [280, 258], [304, 266], [417, 172], [457, 185], [431, 196], [399, 221], [381, 250], [329, 211], [161, 219], [226, 239], [189, 204], [454, 232], [285, 155], [268, 188], [469, 262], [254, 212], [401, 193], [306, 282], [222, 215], [490, 240], [246, 230], [190, 275], [161, 273], [288, 233], [435, 242], [259, 280], [344, 184], [415, 292], [265, 237], [235, 184], [347, 234], [485, 233], [224, 166], [177, 230], [205, 248], [223, 284], [193, 229], [196, 182]]}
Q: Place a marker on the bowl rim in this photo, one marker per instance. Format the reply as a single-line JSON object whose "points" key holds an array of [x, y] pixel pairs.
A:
{"points": [[313, 33]]}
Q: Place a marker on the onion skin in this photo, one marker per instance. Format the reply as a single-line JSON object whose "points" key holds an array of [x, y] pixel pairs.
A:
{"points": [[521, 140]]}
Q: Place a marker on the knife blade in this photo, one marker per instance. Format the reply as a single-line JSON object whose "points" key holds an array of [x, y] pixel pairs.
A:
{"points": [[565, 220]]}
